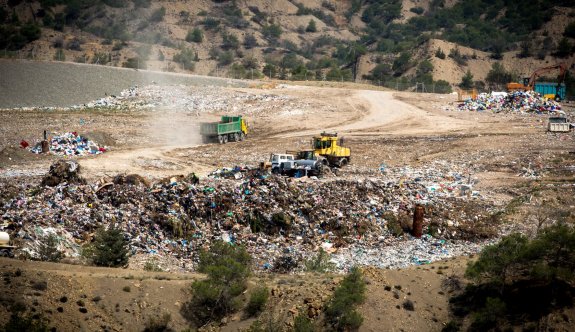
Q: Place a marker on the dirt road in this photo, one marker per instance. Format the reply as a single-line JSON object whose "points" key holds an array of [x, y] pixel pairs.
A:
{"points": [[381, 113]]}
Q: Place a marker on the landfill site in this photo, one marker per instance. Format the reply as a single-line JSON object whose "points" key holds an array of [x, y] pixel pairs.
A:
{"points": [[424, 183]]}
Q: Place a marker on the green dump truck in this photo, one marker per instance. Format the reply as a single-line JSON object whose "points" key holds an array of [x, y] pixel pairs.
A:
{"points": [[230, 128]]}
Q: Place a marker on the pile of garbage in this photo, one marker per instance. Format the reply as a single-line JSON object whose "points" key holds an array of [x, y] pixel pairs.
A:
{"points": [[197, 100], [518, 101], [271, 215], [63, 171], [69, 144]]}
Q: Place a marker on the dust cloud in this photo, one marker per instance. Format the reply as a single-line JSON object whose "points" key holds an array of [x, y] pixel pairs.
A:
{"points": [[172, 128], [173, 124]]}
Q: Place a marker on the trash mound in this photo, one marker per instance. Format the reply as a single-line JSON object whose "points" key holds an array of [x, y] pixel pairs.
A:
{"points": [[518, 101], [131, 179], [271, 215], [63, 171], [68, 144]]}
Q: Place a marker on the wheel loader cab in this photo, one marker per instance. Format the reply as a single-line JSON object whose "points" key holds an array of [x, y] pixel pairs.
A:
{"points": [[307, 155], [321, 143]]}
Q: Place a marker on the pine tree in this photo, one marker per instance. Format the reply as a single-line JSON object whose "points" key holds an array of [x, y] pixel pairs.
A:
{"points": [[467, 81], [110, 248], [311, 27]]}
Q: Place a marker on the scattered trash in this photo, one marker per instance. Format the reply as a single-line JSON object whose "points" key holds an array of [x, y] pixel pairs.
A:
{"points": [[69, 144]]}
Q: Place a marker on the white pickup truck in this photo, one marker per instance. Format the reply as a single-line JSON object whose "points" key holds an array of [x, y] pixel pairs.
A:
{"points": [[304, 162], [277, 159]]}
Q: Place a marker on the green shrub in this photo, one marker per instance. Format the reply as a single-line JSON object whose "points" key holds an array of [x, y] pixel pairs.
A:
{"points": [[225, 58], [525, 49], [158, 15], [250, 41], [320, 263], [185, 58], [402, 63], [258, 300], [100, 58], [408, 304], [451, 326], [467, 80], [456, 55], [284, 264], [570, 30], [302, 323], [442, 86], [19, 323], [31, 32], [270, 71], [142, 3], [417, 10], [135, 63], [517, 268], [269, 323], [196, 36], [228, 268], [110, 248], [350, 321], [272, 32], [159, 324], [498, 74], [152, 266], [237, 71], [250, 63], [118, 46], [496, 263], [230, 41], [48, 249], [564, 48], [210, 23], [81, 58], [340, 312], [311, 26], [486, 319]]}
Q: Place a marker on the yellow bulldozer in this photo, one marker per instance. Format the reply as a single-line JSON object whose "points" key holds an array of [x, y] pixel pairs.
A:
{"points": [[330, 147]]}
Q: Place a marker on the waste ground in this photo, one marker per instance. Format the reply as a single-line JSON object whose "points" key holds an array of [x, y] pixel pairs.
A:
{"points": [[478, 174], [464, 167]]}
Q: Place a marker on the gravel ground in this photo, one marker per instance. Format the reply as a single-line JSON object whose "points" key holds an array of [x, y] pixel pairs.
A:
{"points": [[57, 84]]}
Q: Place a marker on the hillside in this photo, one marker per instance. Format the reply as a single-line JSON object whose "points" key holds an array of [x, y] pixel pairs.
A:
{"points": [[377, 40]]}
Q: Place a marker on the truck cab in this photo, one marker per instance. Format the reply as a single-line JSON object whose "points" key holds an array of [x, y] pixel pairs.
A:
{"points": [[277, 159]]}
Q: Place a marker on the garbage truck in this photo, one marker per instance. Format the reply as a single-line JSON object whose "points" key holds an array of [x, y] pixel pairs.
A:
{"points": [[228, 129]]}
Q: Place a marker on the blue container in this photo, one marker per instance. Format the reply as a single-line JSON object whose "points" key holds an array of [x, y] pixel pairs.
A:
{"points": [[546, 88]]}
